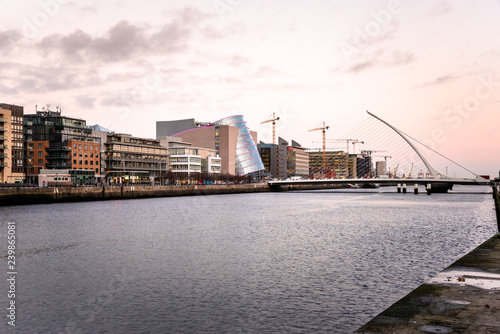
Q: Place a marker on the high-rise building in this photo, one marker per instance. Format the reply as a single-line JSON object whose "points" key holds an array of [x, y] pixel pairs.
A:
{"points": [[229, 137], [61, 142]]}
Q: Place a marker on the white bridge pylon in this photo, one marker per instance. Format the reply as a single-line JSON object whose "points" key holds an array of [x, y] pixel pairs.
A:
{"points": [[433, 171]]}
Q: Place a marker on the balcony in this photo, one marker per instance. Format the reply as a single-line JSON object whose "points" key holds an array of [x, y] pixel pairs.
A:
{"points": [[59, 166], [3, 120], [28, 131], [3, 138], [3, 129], [58, 158], [4, 155], [55, 149], [4, 147], [28, 123]]}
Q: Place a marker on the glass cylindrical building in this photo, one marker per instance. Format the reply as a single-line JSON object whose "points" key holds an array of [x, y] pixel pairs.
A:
{"points": [[247, 155]]}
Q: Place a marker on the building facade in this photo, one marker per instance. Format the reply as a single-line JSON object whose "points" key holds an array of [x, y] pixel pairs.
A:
{"points": [[61, 142], [229, 137], [336, 161], [134, 160], [282, 160], [380, 168], [193, 160], [15, 144]]}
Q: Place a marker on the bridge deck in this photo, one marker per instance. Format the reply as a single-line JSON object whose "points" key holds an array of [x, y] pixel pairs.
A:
{"points": [[379, 181]]}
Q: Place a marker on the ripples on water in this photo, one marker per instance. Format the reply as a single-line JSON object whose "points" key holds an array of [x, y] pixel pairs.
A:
{"points": [[253, 263]]}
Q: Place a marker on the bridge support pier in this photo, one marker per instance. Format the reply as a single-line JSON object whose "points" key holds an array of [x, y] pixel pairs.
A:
{"points": [[428, 189], [399, 188], [415, 189], [404, 188]]}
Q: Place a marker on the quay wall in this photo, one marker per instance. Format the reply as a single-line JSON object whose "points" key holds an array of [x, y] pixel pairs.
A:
{"points": [[33, 195]]}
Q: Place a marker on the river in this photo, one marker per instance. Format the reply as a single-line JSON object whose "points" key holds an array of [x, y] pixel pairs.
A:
{"points": [[291, 262]]}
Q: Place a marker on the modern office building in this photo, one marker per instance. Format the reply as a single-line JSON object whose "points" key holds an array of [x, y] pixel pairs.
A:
{"points": [[269, 156], [380, 168], [337, 161], [297, 160], [364, 165], [61, 142], [282, 160], [134, 160], [102, 133], [229, 137], [15, 144], [193, 160]]}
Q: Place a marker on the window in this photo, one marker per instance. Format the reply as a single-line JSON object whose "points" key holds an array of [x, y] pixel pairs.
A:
{"points": [[86, 155], [80, 146], [91, 154], [74, 154], [86, 162], [91, 162], [97, 170], [40, 161], [80, 154], [97, 163], [74, 146], [40, 153], [74, 162], [40, 145], [80, 162], [86, 147], [91, 147], [97, 155]]}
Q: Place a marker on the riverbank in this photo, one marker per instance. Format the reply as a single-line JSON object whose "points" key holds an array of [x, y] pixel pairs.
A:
{"points": [[27, 195], [463, 298]]}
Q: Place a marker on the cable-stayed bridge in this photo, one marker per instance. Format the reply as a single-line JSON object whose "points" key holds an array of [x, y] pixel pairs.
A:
{"points": [[400, 161]]}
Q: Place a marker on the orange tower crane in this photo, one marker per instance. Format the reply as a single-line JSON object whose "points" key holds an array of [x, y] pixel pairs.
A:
{"points": [[323, 128], [272, 119]]}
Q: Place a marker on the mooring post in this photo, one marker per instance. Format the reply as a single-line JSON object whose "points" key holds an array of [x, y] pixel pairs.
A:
{"points": [[415, 189], [404, 188], [428, 188], [399, 187]]}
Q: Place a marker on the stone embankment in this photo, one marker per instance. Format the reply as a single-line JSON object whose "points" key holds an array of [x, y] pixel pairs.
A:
{"points": [[463, 298], [33, 195]]}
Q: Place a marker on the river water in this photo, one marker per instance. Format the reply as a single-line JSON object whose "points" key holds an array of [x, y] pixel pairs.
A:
{"points": [[292, 262]]}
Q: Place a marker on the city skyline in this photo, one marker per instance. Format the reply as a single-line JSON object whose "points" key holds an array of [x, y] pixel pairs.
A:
{"points": [[428, 68]]}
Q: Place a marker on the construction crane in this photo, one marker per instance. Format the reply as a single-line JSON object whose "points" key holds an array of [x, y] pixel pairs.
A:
{"points": [[272, 119], [396, 171], [369, 152], [323, 128], [352, 141]]}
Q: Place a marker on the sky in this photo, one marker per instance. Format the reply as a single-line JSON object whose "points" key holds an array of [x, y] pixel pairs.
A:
{"points": [[430, 68]]}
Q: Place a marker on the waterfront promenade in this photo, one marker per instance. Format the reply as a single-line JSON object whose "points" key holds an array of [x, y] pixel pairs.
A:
{"points": [[463, 298]]}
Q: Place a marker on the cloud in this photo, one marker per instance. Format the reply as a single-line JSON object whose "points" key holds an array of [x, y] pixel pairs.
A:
{"points": [[8, 39], [382, 58], [126, 40], [439, 81], [85, 101], [439, 8]]}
